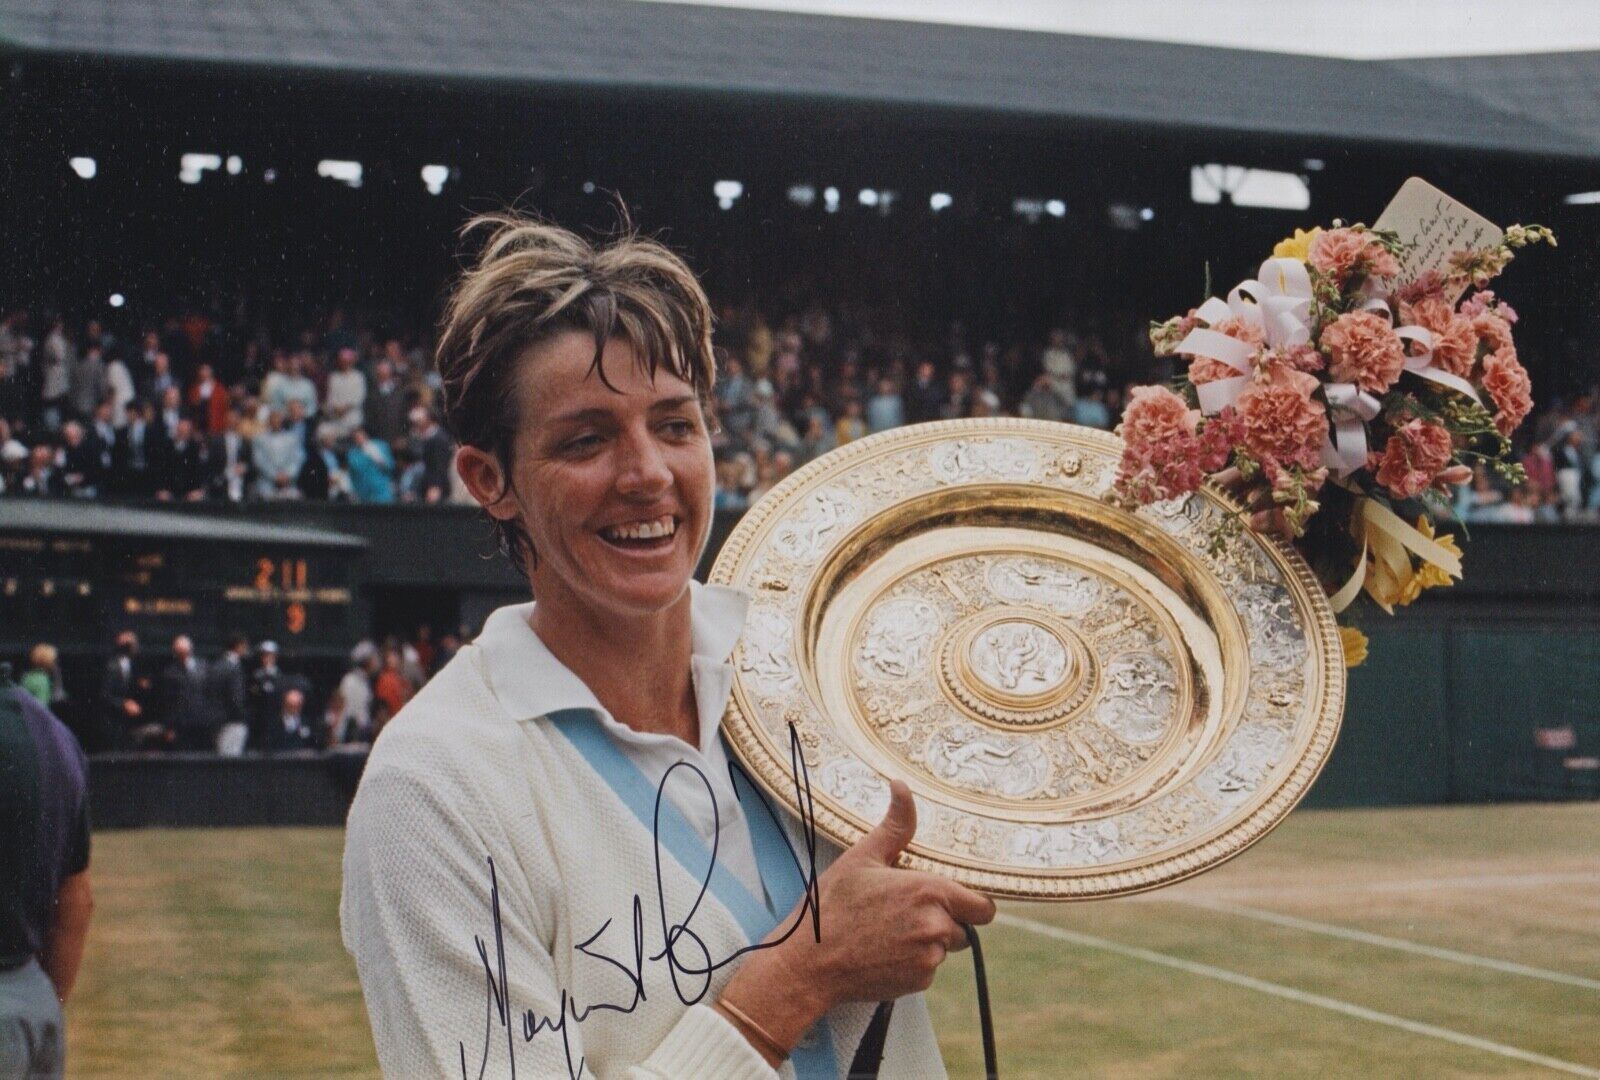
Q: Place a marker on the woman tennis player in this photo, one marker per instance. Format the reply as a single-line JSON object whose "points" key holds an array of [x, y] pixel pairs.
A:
{"points": [[550, 868]]}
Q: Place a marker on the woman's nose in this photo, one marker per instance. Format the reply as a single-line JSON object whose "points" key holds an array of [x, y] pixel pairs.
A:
{"points": [[643, 466]]}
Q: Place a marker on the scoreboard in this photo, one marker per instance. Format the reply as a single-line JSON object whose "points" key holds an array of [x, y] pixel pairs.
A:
{"points": [[76, 589]]}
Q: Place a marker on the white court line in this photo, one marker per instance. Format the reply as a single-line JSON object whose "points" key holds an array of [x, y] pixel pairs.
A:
{"points": [[1399, 944], [1302, 997], [1484, 881]]}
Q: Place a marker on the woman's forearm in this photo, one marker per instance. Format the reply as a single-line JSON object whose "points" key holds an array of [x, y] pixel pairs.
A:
{"points": [[70, 929]]}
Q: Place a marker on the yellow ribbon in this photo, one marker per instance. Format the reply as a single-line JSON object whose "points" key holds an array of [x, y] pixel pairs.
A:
{"points": [[1389, 539]]}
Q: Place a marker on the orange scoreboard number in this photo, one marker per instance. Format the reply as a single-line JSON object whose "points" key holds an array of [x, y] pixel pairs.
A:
{"points": [[295, 616]]}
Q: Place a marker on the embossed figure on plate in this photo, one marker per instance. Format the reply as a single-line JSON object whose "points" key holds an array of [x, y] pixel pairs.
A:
{"points": [[1020, 658], [1048, 584]]}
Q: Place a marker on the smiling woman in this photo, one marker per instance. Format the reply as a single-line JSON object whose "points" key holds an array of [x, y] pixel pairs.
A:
{"points": [[565, 773]]}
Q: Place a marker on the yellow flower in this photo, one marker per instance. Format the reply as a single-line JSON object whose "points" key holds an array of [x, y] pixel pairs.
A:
{"points": [[1297, 246], [1429, 575], [1355, 646]]}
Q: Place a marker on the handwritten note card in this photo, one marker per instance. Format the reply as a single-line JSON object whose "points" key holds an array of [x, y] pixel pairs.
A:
{"points": [[1435, 225]]}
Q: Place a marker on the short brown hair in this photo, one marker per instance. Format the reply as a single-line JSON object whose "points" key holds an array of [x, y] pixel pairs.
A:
{"points": [[534, 281]]}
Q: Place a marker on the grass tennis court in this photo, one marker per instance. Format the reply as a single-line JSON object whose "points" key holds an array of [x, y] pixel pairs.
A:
{"points": [[1439, 942]]}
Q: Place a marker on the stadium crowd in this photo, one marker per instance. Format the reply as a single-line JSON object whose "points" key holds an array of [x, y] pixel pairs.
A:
{"points": [[241, 701], [203, 407]]}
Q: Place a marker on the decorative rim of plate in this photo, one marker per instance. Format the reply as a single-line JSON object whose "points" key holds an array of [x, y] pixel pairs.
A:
{"points": [[770, 764]]}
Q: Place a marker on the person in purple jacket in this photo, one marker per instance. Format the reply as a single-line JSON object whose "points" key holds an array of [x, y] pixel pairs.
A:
{"points": [[45, 899]]}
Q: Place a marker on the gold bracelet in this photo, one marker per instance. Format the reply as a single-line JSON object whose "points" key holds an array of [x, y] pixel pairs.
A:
{"points": [[756, 1029]]}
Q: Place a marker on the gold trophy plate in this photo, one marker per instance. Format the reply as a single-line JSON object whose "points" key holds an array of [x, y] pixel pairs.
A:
{"points": [[1085, 701]]}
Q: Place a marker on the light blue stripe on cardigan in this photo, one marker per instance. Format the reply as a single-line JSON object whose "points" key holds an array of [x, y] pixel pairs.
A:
{"points": [[814, 1058]]}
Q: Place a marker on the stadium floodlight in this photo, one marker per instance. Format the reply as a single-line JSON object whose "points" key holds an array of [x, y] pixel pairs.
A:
{"points": [[1148, 213], [1313, 164], [588, 187], [1056, 208], [346, 172], [191, 166], [1583, 198], [1032, 209], [117, 299], [235, 165], [830, 200], [867, 197], [269, 176], [85, 167], [938, 201], [802, 195], [1249, 187], [727, 192], [434, 177], [1124, 216]]}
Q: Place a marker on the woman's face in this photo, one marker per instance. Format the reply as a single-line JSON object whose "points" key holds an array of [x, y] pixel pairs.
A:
{"points": [[615, 487]]}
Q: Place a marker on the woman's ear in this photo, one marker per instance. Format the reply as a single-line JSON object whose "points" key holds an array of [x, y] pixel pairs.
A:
{"points": [[486, 482]]}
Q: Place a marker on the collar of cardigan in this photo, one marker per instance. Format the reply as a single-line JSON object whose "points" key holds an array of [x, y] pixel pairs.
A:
{"points": [[529, 681]]}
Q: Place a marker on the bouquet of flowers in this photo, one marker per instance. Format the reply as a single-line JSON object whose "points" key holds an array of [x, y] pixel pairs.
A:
{"points": [[1342, 402]]}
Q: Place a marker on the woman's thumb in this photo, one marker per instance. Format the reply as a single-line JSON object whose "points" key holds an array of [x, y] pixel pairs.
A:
{"points": [[885, 843]]}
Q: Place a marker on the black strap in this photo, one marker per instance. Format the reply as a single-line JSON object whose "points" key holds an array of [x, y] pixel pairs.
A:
{"points": [[869, 1055]]}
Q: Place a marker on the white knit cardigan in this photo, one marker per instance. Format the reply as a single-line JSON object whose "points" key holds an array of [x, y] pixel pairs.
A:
{"points": [[456, 781]]}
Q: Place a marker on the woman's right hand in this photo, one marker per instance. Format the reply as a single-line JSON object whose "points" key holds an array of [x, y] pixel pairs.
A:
{"points": [[884, 932]]}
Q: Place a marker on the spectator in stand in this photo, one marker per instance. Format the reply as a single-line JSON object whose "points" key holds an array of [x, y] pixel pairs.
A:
{"points": [[1572, 469], [885, 409], [57, 358], [264, 698], [225, 693], [103, 434], [1060, 367], [852, 425], [120, 390], [139, 445], [391, 686], [186, 712], [80, 461], [1091, 410], [324, 477], [158, 379], [119, 709], [293, 385], [279, 453], [371, 468], [352, 711], [45, 895], [87, 382], [43, 677], [433, 451], [1483, 501], [818, 438], [170, 413], [182, 472], [208, 402], [292, 729], [42, 478], [386, 406], [231, 462], [1042, 403], [985, 402], [958, 402], [347, 394]]}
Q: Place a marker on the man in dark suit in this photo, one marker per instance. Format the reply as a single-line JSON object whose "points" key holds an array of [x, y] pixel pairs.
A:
{"points": [[231, 463], [292, 729], [182, 472], [225, 681], [187, 714], [119, 707], [140, 444], [80, 460], [265, 696]]}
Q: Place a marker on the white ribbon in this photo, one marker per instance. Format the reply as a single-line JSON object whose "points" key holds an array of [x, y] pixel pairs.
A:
{"points": [[1277, 300], [1352, 408]]}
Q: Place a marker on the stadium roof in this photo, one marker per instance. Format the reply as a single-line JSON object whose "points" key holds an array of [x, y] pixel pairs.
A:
{"points": [[50, 516], [1547, 104]]}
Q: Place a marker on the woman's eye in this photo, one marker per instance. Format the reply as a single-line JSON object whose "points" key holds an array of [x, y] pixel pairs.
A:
{"points": [[581, 445], [679, 428]]}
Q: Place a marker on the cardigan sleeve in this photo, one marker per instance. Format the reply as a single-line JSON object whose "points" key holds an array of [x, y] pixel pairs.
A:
{"points": [[417, 917]]}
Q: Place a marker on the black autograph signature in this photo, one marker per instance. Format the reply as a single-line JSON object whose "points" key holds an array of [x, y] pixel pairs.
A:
{"points": [[688, 958]]}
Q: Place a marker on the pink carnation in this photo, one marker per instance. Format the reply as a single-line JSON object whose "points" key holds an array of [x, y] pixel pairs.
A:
{"points": [[1493, 331], [1340, 253], [1300, 358], [1428, 283], [1485, 300], [1218, 437], [1154, 415], [1455, 343], [1160, 457], [1508, 384], [1280, 419], [1363, 349], [1204, 369], [1414, 457]]}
